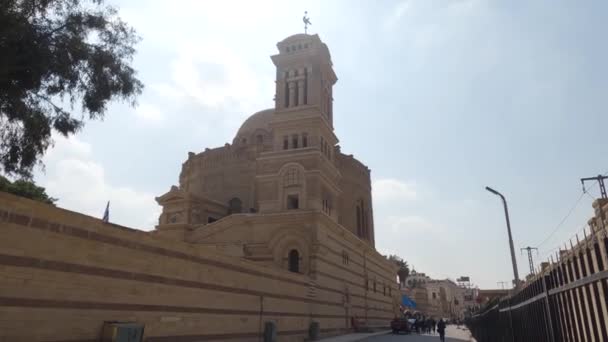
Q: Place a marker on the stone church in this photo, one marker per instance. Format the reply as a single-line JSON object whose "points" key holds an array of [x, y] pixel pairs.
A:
{"points": [[273, 230], [283, 195]]}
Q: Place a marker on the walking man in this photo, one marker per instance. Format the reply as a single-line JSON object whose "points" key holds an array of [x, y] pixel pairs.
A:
{"points": [[441, 330]]}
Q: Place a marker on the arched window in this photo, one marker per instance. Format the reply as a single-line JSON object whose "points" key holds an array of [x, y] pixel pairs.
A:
{"points": [[291, 177], [294, 261], [362, 230], [362, 220], [294, 141], [359, 226], [345, 258], [286, 91], [326, 203]]}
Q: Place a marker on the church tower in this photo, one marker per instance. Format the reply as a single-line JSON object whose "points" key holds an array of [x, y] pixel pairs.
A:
{"points": [[304, 76], [302, 163]]}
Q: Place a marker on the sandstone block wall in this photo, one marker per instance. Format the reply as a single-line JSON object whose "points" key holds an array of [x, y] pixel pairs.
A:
{"points": [[62, 274]]}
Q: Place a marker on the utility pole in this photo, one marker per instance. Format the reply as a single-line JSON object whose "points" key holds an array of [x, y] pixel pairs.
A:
{"points": [[529, 249], [600, 179], [513, 260], [502, 283]]}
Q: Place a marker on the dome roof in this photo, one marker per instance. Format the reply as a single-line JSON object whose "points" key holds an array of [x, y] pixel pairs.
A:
{"points": [[259, 120], [297, 36]]}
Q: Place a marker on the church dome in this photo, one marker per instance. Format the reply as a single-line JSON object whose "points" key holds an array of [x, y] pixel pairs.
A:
{"points": [[297, 36], [259, 120]]}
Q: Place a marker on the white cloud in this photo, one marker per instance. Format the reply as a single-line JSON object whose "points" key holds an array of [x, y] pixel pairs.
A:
{"points": [[79, 183], [398, 12], [149, 112], [393, 190], [215, 76]]}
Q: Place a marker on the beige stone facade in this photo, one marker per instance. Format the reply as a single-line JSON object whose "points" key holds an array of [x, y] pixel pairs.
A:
{"points": [[263, 229], [267, 196], [282, 160], [437, 298]]}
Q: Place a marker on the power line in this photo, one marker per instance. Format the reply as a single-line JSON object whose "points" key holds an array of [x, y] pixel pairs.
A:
{"points": [[549, 251], [588, 194], [579, 229], [585, 192], [563, 220]]}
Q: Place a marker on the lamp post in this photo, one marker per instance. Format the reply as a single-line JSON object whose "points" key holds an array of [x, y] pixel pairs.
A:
{"points": [[513, 261]]}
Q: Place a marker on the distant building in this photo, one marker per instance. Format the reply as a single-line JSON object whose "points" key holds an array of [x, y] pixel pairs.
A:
{"points": [[439, 298], [416, 279]]}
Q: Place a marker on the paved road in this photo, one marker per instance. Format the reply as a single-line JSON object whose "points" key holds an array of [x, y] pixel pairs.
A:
{"points": [[453, 334]]}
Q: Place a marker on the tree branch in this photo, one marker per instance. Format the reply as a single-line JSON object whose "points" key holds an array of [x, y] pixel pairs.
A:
{"points": [[49, 101]]}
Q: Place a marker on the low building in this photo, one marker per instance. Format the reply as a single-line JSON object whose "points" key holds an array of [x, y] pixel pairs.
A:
{"points": [[416, 279], [439, 298]]}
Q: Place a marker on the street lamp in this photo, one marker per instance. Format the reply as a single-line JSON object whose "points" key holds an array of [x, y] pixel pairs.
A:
{"points": [[513, 261]]}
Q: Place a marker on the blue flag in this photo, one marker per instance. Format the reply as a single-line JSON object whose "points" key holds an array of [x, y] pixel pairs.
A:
{"points": [[408, 302], [106, 214]]}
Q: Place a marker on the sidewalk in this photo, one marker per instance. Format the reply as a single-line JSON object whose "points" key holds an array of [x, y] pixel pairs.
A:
{"points": [[354, 337], [461, 333]]}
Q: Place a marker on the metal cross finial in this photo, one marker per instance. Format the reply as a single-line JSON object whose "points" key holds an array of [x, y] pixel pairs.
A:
{"points": [[306, 21]]}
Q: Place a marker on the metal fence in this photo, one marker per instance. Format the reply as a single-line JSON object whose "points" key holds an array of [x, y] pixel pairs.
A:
{"points": [[566, 301]]}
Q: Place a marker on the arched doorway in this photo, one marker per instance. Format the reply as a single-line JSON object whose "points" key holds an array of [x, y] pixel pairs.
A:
{"points": [[235, 206], [294, 261]]}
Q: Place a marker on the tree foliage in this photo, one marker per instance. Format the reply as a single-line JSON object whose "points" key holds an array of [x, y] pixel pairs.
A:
{"points": [[61, 62], [404, 268], [25, 188]]}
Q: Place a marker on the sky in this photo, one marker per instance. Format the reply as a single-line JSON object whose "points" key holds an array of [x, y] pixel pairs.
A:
{"points": [[438, 98]]}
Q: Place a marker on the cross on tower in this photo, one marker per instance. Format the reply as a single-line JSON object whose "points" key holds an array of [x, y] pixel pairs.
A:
{"points": [[306, 21]]}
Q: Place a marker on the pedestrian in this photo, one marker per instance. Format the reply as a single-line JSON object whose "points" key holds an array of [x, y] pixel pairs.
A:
{"points": [[441, 330], [434, 325]]}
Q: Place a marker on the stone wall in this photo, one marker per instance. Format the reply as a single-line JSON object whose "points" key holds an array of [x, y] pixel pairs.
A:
{"points": [[62, 274], [356, 186]]}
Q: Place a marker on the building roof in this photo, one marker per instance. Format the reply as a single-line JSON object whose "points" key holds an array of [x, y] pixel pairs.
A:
{"points": [[259, 120], [297, 36]]}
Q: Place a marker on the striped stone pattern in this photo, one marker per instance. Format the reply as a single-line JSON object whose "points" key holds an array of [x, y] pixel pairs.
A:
{"points": [[62, 274]]}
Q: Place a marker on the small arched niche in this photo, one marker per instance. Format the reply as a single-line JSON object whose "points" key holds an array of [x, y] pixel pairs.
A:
{"points": [[294, 261]]}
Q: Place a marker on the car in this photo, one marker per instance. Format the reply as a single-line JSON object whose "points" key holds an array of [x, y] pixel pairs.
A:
{"points": [[400, 325]]}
